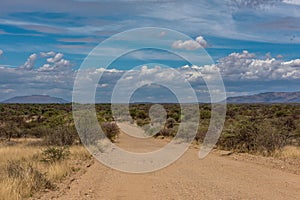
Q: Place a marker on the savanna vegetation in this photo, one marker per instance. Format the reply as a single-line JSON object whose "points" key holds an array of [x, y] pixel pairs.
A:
{"points": [[39, 147], [253, 128], [39, 144]]}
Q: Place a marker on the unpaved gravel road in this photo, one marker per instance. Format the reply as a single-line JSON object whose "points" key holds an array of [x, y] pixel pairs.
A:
{"points": [[215, 177]]}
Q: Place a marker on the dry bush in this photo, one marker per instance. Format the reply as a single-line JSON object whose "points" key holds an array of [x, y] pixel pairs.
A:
{"points": [[79, 152], [22, 173], [22, 178], [201, 133], [170, 123], [111, 130], [58, 171], [165, 132], [290, 152], [27, 176], [60, 136], [252, 136]]}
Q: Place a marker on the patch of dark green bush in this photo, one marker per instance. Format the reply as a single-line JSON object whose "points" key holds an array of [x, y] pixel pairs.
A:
{"points": [[54, 154], [60, 136]]}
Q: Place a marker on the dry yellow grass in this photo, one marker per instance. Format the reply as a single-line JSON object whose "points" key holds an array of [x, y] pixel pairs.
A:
{"points": [[79, 153], [59, 170], [22, 173], [290, 152]]}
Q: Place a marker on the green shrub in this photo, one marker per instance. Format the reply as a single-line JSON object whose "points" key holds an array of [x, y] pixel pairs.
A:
{"points": [[254, 136], [141, 114], [142, 122], [205, 114], [55, 154]]}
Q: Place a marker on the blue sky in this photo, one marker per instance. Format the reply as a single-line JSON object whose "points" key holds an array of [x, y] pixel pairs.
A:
{"points": [[255, 44]]}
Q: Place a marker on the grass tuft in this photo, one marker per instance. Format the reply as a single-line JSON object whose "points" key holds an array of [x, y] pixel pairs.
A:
{"points": [[23, 173]]}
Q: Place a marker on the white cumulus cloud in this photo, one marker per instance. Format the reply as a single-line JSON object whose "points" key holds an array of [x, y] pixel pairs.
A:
{"points": [[29, 64], [57, 75], [47, 54], [246, 66], [55, 62], [190, 44], [56, 58], [62, 64], [292, 63], [201, 41], [295, 2]]}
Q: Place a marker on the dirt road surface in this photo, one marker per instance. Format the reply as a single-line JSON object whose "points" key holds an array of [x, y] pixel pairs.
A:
{"points": [[215, 177]]}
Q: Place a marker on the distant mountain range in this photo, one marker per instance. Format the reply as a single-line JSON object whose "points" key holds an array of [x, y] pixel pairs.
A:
{"points": [[35, 99], [267, 97]]}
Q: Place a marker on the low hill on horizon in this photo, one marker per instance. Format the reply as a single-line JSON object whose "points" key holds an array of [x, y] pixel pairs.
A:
{"points": [[267, 97], [35, 99]]}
